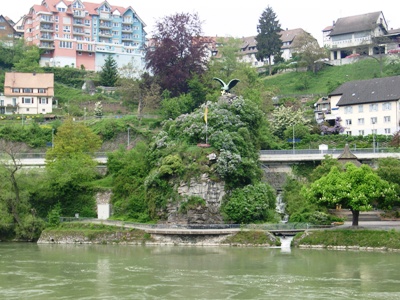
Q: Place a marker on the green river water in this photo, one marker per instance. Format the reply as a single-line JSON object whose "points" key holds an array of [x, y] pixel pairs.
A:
{"points": [[31, 271]]}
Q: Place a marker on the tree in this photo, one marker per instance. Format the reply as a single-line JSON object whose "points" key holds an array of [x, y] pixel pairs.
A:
{"points": [[357, 188], [253, 203], [389, 170], [29, 62], [307, 47], [70, 166], [109, 72], [268, 39], [72, 138], [143, 92], [284, 117], [177, 51], [16, 213]]}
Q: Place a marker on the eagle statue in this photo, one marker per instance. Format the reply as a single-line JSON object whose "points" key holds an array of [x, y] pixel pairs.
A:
{"points": [[225, 88]]}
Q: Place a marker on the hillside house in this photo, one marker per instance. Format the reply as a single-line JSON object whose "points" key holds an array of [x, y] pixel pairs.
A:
{"points": [[28, 93], [354, 34]]}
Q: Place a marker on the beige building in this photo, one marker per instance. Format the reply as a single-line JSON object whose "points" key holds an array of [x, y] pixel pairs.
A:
{"points": [[366, 106], [28, 93]]}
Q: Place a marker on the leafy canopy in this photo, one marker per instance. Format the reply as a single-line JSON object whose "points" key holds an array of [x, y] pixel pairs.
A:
{"points": [[177, 51]]}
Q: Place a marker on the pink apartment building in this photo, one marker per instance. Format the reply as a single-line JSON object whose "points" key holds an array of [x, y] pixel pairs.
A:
{"points": [[82, 34]]}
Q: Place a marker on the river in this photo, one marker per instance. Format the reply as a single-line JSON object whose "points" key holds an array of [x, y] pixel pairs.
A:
{"points": [[31, 271]]}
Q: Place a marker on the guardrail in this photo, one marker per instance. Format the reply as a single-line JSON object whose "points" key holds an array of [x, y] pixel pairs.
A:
{"points": [[262, 152]]}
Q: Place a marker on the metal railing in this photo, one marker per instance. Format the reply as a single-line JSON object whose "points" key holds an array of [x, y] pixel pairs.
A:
{"points": [[267, 227]]}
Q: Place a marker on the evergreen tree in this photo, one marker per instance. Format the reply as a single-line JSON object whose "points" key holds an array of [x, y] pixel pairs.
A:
{"points": [[268, 38], [109, 72]]}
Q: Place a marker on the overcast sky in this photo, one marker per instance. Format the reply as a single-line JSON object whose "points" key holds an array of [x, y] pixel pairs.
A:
{"points": [[240, 18]]}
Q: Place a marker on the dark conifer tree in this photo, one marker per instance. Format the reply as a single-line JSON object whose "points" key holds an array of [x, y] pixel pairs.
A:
{"points": [[268, 39], [109, 72]]}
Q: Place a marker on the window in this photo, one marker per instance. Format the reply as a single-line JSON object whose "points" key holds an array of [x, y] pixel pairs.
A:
{"points": [[15, 90], [87, 22], [61, 9], [374, 120], [79, 47], [42, 91], [386, 119], [79, 53], [361, 132], [348, 132], [56, 27], [56, 19], [373, 107], [2, 27], [348, 122], [43, 110], [387, 130], [26, 90], [360, 108], [361, 121], [115, 24], [67, 36], [67, 28], [386, 106], [348, 109], [64, 44], [43, 101], [27, 100]]}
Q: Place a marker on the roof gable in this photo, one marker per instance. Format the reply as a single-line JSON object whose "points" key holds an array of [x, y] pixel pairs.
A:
{"points": [[359, 23]]}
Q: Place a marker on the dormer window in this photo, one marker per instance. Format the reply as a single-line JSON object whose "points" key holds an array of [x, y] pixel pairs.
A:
{"points": [[61, 9], [77, 4], [105, 8]]}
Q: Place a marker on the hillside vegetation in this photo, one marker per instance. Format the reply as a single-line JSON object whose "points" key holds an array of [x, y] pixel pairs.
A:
{"points": [[327, 79]]}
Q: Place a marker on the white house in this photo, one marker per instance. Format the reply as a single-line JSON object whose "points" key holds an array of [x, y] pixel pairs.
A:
{"points": [[28, 93], [366, 106]]}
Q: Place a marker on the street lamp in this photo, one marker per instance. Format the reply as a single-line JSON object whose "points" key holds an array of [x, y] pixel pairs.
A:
{"points": [[293, 139], [52, 138], [373, 136]]}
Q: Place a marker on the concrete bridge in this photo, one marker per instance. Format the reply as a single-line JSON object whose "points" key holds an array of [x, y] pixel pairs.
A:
{"points": [[266, 156]]}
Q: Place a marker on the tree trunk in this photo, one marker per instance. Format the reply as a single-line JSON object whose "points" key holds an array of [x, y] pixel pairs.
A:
{"points": [[356, 214]]}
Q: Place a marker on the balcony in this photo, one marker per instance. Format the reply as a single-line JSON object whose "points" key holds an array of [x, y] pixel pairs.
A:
{"points": [[126, 29], [79, 14], [46, 37], [47, 28], [127, 38], [105, 33], [127, 21], [46, 20], [47, 46], [78, 32], [78, 23], [105, 25], [104, 16], [355, 42]]}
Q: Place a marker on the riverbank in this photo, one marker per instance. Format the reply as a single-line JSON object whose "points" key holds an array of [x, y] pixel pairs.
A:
{"points": [[349, 239], [89, 233]]}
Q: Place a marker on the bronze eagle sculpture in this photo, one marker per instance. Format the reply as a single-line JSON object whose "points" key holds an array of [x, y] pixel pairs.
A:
{"points": [[225, 88]]}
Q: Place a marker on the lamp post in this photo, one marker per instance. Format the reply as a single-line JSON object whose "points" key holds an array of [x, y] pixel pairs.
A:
{"points": [[293, 139], [373, 136], [52, 138]]}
